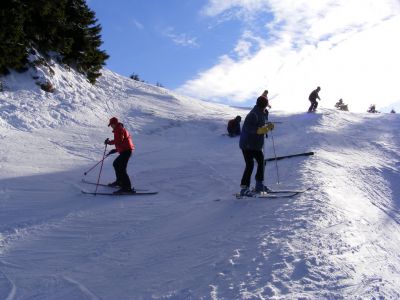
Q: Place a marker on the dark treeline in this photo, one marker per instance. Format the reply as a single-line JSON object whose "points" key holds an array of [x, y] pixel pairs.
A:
{"points": [[65, 27]]}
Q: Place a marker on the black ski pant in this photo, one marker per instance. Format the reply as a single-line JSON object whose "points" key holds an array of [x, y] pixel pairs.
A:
{"points": [[313, 106], [249, 157], [120, 164]]}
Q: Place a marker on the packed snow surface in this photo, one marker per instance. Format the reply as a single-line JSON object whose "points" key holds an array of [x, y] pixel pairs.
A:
{"points": [[194, 239]]}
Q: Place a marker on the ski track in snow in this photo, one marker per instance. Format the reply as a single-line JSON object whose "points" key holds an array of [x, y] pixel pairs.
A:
{"points": [[337, 241]]}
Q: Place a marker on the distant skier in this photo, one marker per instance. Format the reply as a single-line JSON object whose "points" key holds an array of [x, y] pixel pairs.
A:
{"points": [[313, 99], [124, 146], [372, 109], [234, 126], [251, 143], [341, 106]]}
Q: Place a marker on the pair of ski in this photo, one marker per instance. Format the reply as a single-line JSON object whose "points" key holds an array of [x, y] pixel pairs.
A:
{"points": [[274, 194], [138, 192]]}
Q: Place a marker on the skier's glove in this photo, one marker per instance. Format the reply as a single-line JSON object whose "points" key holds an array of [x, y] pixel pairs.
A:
{"points": [[262, 130], [265, 128], [107, 141], [112, 152], [270, 126]]}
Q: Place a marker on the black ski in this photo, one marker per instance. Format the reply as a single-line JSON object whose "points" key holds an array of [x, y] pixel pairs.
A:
{"points": [[289, 156], [289, 191], [274, 194], [106, 185], [268, 196], [121, 194]]}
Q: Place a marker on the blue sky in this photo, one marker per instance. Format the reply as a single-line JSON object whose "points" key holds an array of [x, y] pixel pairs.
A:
{"points": [[231, 50], [165, 41]]}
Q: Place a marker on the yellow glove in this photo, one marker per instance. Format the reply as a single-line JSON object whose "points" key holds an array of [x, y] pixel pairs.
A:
{"points": [[262, 130], [270, 126], [265, 128]]}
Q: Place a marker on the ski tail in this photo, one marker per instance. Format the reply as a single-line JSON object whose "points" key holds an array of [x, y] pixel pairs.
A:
{"points": [[122, 194], [299, 191], [289, 156], [268, 195], [274, 194], [106, 185]]}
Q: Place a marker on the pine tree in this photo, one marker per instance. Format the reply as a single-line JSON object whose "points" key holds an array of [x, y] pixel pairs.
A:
{"points": [[67, 27], [86, 40], [43, 23], [13, 46], [135, 77]]}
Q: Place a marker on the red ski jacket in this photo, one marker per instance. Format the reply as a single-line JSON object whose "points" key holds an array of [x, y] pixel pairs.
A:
{"points": [[122, 139]]}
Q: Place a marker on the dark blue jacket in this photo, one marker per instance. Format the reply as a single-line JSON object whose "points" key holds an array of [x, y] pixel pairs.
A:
{"points": [[249, 139], [314, 95]]}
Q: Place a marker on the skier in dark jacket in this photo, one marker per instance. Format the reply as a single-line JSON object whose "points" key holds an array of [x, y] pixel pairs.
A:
{"points": [[124, 146], [313, 99], [234, 126], [251, 143]]}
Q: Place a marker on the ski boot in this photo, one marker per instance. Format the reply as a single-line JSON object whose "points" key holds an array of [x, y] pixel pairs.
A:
{"points": [[261, 188], [245, 191], [124, 190], [114, 184]]}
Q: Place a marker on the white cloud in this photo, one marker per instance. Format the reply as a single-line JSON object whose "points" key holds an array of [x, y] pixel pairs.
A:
{"points": [[181, 39], [246, 46], [137, 24], [243, 48], [217, 7], [350, 48]]}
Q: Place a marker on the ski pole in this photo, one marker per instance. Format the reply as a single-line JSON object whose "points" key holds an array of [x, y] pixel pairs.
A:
{"points": [[101, 168], [276, 161], [87, 172]]}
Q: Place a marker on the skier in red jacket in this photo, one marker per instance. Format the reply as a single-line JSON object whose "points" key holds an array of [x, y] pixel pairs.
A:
{"points": [[124, 146]]}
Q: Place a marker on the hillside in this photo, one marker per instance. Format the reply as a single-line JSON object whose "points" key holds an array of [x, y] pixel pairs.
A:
{"points": [[193, 240]]}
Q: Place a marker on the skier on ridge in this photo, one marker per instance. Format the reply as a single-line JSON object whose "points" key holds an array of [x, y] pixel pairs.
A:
{"points": [[313, 99], [124, 146], [252, 142]]}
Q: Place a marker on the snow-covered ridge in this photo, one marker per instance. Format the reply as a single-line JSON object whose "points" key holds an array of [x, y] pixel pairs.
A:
{"points": [[25, 106]]}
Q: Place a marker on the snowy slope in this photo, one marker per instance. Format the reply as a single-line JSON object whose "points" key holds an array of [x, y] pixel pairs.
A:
{"points": [[193, 240]]}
